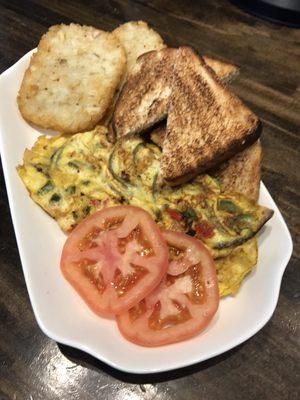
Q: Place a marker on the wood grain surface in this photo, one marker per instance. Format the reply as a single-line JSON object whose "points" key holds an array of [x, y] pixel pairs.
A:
{"points": [[266, 366]]}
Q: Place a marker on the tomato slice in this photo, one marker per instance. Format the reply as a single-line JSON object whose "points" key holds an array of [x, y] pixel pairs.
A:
{"points": [[114, 258], [185, 301]]}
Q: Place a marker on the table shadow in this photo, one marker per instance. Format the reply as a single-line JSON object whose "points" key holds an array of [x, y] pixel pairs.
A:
{"points": [[87, 361]]}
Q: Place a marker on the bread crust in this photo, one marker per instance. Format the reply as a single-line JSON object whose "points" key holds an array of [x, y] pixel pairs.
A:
{"points": [[242, 172], [144, 99], [225, 71]]}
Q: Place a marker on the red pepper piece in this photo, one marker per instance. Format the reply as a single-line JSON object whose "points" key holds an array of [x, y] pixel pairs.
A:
{"points": [[204, 230], [174, 214]]}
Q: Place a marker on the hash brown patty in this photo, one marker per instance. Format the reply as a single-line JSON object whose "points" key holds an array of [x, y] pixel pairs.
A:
{"points": [[72, 78]]}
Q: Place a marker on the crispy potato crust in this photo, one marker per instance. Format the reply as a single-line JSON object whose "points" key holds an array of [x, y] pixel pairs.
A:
{"points": [[72, 78], [137, 38]]}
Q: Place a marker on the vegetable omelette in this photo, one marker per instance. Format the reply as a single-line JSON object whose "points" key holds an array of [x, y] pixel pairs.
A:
{"points": [[71, 177]]}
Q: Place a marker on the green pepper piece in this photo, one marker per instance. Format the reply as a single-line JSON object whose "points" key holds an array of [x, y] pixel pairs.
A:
{"points": [[55, 198], [228, 206], [111, 159], [190, 214], [71, 189], [86, 210], [244, 221], [46, 188], [73, 165], [138, 147], [57, 155]]}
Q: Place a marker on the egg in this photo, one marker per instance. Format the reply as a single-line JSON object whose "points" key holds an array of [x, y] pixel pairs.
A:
{"points": [[232, 269], [65, 175], [71, 177]]}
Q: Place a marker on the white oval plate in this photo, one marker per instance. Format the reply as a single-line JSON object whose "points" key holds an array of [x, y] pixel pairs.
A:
{"points": [[64, 317]]}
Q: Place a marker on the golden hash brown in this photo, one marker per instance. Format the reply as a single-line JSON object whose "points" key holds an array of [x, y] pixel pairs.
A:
{"points": [[137, 38], [72, 78]]}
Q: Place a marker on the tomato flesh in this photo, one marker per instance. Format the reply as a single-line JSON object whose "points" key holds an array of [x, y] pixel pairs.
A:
{"points": [[114, 258], [183, 304]]}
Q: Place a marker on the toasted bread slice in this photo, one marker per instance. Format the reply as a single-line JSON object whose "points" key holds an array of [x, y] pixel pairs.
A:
{"points": [[224, 71], [241, 173], [144, 99], [157, 135], [72, 78], [137, 38], [206, 123]]}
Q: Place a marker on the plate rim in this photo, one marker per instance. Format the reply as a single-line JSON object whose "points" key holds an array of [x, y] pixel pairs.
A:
{"points": [[85, 347]]}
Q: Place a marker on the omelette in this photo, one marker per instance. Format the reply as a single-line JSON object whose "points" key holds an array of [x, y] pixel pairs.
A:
{"points": [[71, 177], [232, 269]]}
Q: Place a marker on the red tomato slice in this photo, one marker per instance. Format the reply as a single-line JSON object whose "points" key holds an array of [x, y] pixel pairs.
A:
{"points": [[183, 304], [114, 258]]}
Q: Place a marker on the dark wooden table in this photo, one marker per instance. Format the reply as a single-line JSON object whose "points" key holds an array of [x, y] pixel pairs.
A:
{"points": [[266, 366]]}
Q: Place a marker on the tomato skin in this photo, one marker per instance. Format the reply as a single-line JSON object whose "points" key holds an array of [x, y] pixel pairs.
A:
{"points": [[108, 303], [139, 332]]}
